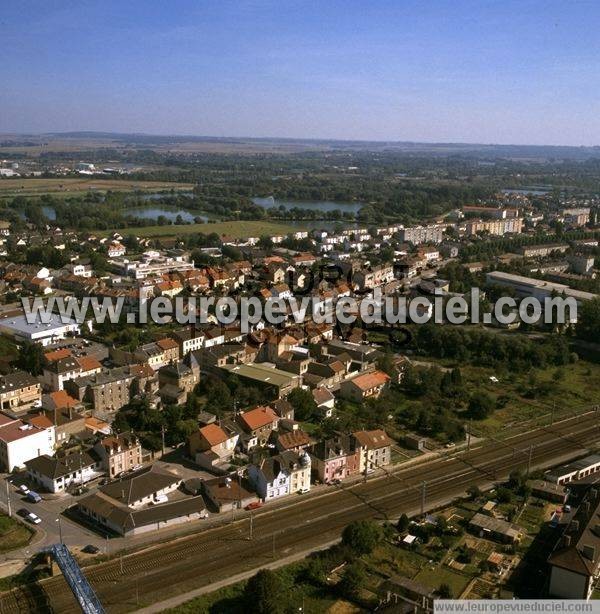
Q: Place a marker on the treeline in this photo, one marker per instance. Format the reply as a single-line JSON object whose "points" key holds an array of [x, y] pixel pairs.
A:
{"points": [[514, 352]]}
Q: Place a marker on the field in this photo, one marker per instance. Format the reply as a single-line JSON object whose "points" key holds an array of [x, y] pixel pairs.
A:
{"points": [[234, 229], [76, 186], [13, 534]]}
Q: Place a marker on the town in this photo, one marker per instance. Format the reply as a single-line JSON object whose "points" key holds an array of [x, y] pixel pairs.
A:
{"points": [[299, 307], [115, 435]]}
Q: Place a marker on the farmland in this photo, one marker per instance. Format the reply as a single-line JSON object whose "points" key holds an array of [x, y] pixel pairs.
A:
{"points": [[77, 186]]}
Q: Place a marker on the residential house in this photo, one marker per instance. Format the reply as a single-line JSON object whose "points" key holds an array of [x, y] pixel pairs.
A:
{"points": [[212, 446], [378, 447], [21, 441], [56, 474], [119, 453], [336, 458], [19, 392], [259, 423], [364, 386]]}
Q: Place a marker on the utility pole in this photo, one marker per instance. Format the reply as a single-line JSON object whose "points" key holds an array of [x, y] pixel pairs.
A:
{"points": [[469, 435], [8, 499], [423, 493], [251, 526], [59, 530]]}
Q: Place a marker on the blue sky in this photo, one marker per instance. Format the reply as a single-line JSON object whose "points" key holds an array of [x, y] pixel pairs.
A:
{"points": [[524, 71]]}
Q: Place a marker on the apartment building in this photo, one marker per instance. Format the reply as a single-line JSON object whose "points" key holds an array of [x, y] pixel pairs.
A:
{"points": [[105, 391], [432, 233], [497, 227]]}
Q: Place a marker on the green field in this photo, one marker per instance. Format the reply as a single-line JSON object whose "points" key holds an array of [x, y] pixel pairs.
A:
{"points": [[13, 534], [74, 186], [234, 229]]}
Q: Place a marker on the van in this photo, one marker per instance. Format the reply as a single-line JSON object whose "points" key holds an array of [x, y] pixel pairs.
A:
{"points": [[304, 490], [33, 497]]}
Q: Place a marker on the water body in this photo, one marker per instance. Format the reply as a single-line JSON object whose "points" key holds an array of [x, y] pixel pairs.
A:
{"points": [[534, 190], [317, 205], [171, 213]]}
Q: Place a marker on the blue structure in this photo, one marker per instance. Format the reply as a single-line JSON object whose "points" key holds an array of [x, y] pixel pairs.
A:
{"points": [[84, 593]]}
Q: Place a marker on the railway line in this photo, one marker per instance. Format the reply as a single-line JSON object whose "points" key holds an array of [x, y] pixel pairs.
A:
{"points": [[183, 564]]}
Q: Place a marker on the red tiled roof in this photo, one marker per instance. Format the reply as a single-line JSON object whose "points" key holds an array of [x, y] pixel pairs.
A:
{"points": [[214, 434], [258, 417], [371, 380]]}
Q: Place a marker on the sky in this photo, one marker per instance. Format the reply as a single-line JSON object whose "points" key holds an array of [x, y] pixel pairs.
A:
{"points": [[484, 71]]}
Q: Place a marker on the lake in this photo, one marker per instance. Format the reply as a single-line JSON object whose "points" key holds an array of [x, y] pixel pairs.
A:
{"points": [[318, 205], [534, 190]]}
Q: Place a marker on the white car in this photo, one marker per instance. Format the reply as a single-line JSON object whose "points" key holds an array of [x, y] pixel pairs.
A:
{"points": [[33, 518], [24, 489]]}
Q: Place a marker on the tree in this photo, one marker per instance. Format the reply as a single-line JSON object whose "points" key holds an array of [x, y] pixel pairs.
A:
{"points": [[474, 492], [353, 579], [588, 320], [31, 358], [403, 523], [265, 593], [361, 536], [481, 405], [444, 591], [303, 403]]}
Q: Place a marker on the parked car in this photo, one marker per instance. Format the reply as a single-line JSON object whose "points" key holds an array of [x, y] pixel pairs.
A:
{"points": [[254, 505], [90, 549], [566, 508], [304, 490], [24, 489], [33, 518], [33, 497], [23, 512]]}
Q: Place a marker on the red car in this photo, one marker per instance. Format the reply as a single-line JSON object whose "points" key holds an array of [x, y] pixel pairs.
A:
{"points": [[254, 505]]}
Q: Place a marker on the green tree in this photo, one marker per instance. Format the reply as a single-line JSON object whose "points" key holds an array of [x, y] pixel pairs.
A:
{"points": [[31, 358], [481, 405], [305, 407], [353, 579], [361, 536], [403, 523], [444, 591], [265, 593], [588, 320]]}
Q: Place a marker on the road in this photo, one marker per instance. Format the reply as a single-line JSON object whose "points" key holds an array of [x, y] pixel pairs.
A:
{"points": [[188, 563]]}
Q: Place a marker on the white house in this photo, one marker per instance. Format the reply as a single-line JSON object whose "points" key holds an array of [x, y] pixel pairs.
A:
{"points": [[284, 474], [57, 474], [21, 441]]}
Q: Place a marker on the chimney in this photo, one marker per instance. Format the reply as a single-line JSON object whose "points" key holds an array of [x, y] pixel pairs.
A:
{"points": [[593, 493], [566, 541], [586, 507], [574, 526]]}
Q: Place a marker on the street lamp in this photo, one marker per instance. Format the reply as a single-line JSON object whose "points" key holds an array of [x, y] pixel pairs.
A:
{"points": [[59, 529]]}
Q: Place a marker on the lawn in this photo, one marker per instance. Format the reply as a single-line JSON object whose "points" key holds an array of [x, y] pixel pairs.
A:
{"points": [[434, 576], [235, 229], [13, 534], [74, 186]]}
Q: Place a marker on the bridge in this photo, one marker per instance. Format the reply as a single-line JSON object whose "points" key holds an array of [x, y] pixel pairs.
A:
{"points": [[78, 583]]}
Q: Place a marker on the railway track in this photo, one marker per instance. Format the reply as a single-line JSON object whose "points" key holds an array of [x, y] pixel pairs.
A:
{"points": [[198, 560]]}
